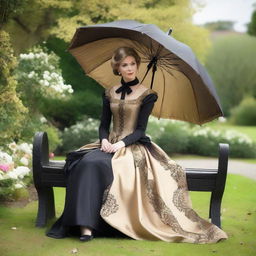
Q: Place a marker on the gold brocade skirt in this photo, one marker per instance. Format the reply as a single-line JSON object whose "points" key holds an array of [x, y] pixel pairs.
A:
{"points": [[149, 199]]}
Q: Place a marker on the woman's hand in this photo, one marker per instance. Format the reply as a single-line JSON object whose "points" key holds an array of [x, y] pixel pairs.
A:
{"points": [[117, 145], [107, 147]]}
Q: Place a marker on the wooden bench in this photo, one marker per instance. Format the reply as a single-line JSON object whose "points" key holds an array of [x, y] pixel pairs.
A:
{"points": [[48, 174]]}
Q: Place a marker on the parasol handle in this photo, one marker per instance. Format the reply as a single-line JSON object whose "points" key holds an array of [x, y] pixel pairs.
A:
{"points": [[153, 63], [153, 75]]}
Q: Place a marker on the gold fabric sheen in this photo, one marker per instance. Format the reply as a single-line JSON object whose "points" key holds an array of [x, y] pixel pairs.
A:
{"points": [[149, 198]]}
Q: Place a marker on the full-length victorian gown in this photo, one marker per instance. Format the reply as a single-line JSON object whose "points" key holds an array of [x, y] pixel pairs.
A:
{"points": [[137, 191]]}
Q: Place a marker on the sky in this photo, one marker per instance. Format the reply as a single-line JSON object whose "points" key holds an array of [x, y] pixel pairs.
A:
{"points": [[239, 11]]}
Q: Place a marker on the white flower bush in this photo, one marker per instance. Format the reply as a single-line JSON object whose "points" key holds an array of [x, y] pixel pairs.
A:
{"points": [[205, 141], [41, 70], [228, 135], [43, 120], [5, 158], [171, 134], [222, 119], [15, 167]]}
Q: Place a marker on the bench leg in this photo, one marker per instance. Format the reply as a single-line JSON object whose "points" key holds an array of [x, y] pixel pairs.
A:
{"points": [[217, 194], [214, 212], [46, 208]]}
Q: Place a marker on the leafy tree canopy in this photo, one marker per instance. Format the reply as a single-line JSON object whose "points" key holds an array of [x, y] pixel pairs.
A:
{"points": [[61, 18], [251, 30], [231, 63]]}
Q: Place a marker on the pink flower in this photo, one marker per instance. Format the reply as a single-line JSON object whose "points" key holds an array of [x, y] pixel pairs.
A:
{"points": [[51, 155], [4, 167]]}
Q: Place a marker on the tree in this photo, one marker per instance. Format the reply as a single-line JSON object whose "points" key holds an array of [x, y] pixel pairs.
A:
{"points": [[12, 111], [165, 13], [231, 64], [10, 8], [61, 18], [55, 22], [14, 116], [251, 28]]}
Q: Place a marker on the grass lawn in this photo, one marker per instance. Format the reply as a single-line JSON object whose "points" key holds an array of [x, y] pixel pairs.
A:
{"points": [[238, 220]]}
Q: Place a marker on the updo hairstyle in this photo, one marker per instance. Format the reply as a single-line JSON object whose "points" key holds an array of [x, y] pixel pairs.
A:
{"points": [[120, 54]]}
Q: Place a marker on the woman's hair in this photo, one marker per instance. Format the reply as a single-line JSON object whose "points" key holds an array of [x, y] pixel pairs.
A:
{"points": [[120, 54]]}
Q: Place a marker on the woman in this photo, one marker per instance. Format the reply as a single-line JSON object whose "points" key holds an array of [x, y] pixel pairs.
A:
{"points": [[124, 183]]}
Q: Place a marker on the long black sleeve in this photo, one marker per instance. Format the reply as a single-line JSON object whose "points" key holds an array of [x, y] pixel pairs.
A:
{"points": [[145, 110], [105, 118]]}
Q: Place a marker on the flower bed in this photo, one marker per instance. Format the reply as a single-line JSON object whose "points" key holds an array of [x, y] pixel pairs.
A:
{"points": [[15, 171]]}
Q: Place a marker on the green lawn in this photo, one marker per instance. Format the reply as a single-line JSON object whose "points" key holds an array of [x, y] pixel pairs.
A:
{"points": [[238, 220]]}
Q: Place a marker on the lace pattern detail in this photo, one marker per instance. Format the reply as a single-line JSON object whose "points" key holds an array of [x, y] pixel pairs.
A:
{"points": [[109, 203], [180, 198], [121, 117], [210, 231]]}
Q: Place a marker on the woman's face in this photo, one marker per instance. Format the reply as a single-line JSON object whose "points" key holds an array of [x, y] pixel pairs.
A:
{"points": [[128, 68]]}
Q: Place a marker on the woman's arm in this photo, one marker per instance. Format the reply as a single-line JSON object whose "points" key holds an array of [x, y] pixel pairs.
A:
{"points": [[145, 110], [105, 118]]}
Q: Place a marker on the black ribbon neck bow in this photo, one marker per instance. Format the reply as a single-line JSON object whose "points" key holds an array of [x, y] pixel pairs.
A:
{"points": [[125, 87]]}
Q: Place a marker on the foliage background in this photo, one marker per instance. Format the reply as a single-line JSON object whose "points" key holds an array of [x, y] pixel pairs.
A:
{"points": [[52, 23], [230, 63]]}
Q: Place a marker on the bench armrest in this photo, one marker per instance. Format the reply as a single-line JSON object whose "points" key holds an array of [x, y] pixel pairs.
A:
{"points": [[40, 156], [222, 168]]}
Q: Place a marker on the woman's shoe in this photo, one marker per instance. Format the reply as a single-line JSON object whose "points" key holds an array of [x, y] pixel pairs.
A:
{"points": [[86, 238]]}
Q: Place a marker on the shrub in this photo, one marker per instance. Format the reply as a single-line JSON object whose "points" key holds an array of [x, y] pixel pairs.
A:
{"points": [[240, 144], [204, 141], [34, 124], [174, 138], [83, 132], [6, 188], [12, 111], [54, 136], [38, 75], [245, 113], [179, 137]]}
